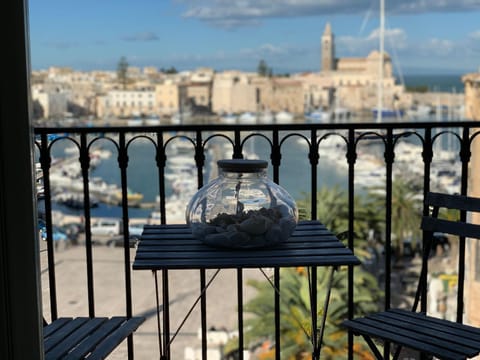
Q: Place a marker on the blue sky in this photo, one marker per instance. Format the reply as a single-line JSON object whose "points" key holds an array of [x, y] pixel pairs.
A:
{"points": [[422, 36]]}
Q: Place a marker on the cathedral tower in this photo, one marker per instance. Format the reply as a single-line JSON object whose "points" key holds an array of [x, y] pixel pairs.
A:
{"points": [[328, 50]]}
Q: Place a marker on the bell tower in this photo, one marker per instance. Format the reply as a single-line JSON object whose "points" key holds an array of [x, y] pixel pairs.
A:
{"points": [[328, 50]]}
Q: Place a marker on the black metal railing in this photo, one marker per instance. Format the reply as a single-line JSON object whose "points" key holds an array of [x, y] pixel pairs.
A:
{"points": [[381, 139]]}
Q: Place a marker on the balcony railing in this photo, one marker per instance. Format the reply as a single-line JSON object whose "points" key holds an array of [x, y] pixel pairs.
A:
{"points": [[298, 151]]}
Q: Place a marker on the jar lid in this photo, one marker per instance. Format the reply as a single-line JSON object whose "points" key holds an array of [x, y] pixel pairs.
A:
{"points": [[242, 165]]}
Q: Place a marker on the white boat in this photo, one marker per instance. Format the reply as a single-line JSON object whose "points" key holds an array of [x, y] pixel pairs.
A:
{"points": [[318, 116], [420, 112], [152, 120], [228, 118], [283, 117], [247, 118], [135, 122]]}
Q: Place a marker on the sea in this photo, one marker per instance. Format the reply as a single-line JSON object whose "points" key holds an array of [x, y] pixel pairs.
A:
{"points": [[436, 83], [142, 173]]}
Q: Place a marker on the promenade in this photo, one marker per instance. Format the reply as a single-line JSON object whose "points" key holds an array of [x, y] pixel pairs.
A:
{"points": [[110, 297]]}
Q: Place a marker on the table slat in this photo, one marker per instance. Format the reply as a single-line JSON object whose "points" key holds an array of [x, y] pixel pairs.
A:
{"points": [[174, 247]]}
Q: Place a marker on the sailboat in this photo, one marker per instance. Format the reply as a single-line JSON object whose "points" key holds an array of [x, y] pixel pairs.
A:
{"points": [[381, 111]]}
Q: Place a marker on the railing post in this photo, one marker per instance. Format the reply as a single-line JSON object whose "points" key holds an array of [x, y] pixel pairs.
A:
{"points": [[427, 155], [237, 146], [465, 155], [123, 164], [351, 158], [389, 158], [45, 163], [313, 157], [275, 156], [85, 166], [161, 160], [199, 158]]}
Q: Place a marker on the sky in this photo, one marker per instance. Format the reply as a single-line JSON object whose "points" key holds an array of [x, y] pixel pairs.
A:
{"points": [[421, 36]]}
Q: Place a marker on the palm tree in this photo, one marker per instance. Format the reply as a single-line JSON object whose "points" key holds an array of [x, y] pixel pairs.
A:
{"points": [[295, 312], [122, 70], [406, 212]]}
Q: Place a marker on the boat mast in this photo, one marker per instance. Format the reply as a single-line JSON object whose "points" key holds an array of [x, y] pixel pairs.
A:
{"points": [[380, 62]]}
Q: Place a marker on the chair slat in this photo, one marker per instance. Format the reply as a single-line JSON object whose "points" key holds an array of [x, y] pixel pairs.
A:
{"points": [[451, 227], [82, 337], [364, 326], [115, 338], [448, 201], [73, 339]]}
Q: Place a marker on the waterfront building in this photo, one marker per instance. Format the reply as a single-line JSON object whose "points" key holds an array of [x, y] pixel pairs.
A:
{"points": [[127, 103], [199, 88], [279, 94], [353, 82], [170, 96], [233, 92], [53, 102], [472, 283]]}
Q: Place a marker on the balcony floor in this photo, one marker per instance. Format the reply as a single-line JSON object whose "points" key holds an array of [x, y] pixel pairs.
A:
{"points": [[109, 285]]}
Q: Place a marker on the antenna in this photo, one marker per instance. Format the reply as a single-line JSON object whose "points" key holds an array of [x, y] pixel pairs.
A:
{"points": [[380, 62]]}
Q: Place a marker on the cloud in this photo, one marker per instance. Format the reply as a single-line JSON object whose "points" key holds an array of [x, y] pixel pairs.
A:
{"points": [[237, 13], [283, 58], [141, 37], [361, 45], [475, 36]]}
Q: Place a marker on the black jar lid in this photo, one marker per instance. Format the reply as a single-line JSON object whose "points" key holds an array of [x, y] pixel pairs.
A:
{"points": [[242, 165]]}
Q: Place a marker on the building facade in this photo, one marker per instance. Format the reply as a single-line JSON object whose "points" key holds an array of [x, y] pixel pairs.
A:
{"points": [[472, 283]]}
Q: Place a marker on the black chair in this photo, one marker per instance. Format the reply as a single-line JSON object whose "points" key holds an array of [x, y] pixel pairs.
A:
{"points": [[77, 338], [431, 336]]}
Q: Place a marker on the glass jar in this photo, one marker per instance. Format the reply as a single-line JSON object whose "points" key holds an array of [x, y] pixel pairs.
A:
{"points": [[242, 208]]}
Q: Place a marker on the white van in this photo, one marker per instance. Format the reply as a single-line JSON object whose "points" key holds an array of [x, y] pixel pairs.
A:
{"points": [[107, 227]]}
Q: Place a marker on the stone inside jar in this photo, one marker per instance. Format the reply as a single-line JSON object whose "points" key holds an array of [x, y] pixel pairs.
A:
{"points": [[254, 228]]}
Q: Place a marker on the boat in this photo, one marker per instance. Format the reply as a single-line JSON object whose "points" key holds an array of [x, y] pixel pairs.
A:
{"points": [[228, 118], [388, 113], [247, 118], [419, 112], [134, 199], [74, 200], [283, 117], [135, 122], [152, 120], [318, 116]]}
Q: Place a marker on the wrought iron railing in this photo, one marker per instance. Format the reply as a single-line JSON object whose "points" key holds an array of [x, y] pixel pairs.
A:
{"points": [[352, 141]]}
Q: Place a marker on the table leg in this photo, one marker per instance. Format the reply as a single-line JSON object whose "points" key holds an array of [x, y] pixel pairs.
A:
{"points": [[159, 327], [318, 334]]}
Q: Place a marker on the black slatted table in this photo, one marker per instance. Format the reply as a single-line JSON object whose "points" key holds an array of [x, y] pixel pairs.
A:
{"points": [[168, 247]]}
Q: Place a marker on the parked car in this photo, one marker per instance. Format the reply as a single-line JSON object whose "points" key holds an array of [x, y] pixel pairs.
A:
{"points": [[57, 233], [107, 227]]}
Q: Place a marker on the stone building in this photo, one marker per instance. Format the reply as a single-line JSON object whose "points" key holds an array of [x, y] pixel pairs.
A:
{"points": [[52, 101], [127, 103], [353, 82], [170, 96], [233, 92], [472, 283], [279, 94]]}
